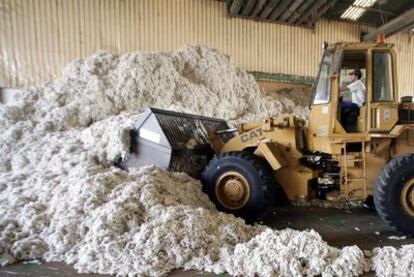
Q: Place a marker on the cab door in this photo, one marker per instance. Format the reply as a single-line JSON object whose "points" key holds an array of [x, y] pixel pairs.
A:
{"points": [[383, 105], [323, 106]]}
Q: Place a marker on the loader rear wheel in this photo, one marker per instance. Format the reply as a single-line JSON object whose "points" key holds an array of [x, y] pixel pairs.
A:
{"points": [[239, 183], [394, 194]]}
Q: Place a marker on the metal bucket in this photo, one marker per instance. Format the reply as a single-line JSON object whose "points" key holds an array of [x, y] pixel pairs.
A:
{"points": [[173, 141]]}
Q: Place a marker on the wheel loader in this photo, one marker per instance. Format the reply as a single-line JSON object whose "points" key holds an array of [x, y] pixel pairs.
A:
{"points": [[246, 170]]}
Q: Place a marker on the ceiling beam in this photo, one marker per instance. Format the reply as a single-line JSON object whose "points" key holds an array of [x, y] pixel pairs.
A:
{"points": [[370, 9], [268, 8], [393, 26], [308, 14], [297, 13], [280, 9], [248, 7], [291, 9], [236, 6], [321, 12], [258, 8]]}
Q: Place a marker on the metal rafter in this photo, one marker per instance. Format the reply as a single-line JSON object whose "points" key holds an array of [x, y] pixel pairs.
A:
{"points": [[236, 6], [321, 12], [291, 9], [248, 7], [258, 8], [297, 13], [280, 9], [393, 26], [308, 14], [268, 8]]}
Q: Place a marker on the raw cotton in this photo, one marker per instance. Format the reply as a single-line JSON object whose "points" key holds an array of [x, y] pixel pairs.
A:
{"points": [[61, 198], [193, 79], [389, 261], [346, 205], [397, 237], [299, 95], [292, 253]]}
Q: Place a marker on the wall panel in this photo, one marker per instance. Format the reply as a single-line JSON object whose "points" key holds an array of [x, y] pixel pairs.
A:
{"points": [[38, 37]]}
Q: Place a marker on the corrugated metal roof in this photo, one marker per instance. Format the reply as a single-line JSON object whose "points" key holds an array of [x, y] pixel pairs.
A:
{"points": [[296, 12], [381, 12], [306, 12]]}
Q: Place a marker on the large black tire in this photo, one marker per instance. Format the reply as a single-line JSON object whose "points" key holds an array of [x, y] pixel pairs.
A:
{"points": [[390, 186], [256, 171]]}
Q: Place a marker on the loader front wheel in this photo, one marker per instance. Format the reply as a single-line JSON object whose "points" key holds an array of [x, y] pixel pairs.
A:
{"points": [[394, 194], [239, 183]]}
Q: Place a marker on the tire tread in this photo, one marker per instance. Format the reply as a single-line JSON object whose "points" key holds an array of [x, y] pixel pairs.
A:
{"points": [[382, 187], [265, 174]]}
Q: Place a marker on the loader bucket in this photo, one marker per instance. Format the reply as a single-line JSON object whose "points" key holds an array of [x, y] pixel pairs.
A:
{"points": [[173, 141]]}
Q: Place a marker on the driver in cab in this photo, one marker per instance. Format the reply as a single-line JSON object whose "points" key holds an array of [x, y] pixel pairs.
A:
{"points": [[357, 89]]}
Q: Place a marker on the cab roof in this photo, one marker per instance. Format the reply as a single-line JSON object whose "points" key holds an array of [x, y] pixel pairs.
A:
{"points": [[365, 45]]}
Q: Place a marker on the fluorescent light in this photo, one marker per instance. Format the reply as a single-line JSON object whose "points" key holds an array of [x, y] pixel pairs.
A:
{"points": [[357, 9], [364, 3]]}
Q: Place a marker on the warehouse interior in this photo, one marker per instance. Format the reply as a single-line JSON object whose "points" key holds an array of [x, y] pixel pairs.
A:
{"points": [[206, 137]]}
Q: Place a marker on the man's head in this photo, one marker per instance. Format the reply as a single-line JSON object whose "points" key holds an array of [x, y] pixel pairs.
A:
{"points": [[356, 74]]}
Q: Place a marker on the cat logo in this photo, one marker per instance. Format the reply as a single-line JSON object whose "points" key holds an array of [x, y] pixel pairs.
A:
{"points": [[251, 135]]}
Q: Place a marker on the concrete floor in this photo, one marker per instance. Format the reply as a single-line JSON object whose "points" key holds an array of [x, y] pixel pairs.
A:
{"points": [[337, 227]]}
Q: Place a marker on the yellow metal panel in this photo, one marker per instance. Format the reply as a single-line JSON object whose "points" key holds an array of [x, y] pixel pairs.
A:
{"points": [[40, 36], [272, 155]]}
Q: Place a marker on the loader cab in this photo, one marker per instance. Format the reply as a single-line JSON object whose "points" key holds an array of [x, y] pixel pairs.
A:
{"points": [[379, 113]]}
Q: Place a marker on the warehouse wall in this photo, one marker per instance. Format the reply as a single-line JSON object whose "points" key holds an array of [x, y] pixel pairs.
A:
{"points": [[38, 37]]}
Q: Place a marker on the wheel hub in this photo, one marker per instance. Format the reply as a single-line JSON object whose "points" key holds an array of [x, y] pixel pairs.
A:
{"points": [[407, 197], [232, 190]]}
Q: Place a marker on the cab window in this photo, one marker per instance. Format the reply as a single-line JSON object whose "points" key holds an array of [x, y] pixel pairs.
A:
{"points": [[383, 89], [351, 60], [323, 87]]}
